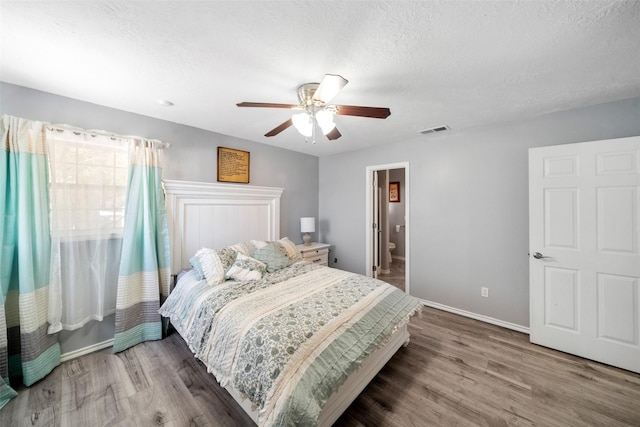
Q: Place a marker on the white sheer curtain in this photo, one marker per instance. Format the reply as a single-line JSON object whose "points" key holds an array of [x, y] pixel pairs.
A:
{"points": [[88, 176]]}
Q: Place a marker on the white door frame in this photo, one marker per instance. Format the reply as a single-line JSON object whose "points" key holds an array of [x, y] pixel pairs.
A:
{"points": [[369, 218], [374, 231]]}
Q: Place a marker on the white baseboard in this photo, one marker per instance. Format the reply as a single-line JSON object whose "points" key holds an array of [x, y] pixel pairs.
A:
{"points": [[86, 350], [482, 318]]}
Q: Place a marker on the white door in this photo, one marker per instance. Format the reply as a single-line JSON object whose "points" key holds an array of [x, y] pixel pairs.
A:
{"points": [[584, 233]]}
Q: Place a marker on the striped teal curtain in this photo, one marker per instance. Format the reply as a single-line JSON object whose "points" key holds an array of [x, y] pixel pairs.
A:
{"points": [[26, 350], [143, 282]]}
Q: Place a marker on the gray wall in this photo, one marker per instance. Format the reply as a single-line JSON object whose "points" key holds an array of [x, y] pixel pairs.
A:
{"points": [[468, 205], [193, 152], [192, 157]]}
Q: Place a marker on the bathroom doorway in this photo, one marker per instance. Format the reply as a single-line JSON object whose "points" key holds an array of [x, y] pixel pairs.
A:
{"points": [[387, 221]]}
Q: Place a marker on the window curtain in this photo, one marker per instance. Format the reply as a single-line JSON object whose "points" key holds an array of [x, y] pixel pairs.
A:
{"points": [[88, 185], [26, 349], [143, 281]]}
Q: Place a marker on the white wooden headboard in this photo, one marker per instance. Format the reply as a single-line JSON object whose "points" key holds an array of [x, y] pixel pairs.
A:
{"points": [[202, 214]]}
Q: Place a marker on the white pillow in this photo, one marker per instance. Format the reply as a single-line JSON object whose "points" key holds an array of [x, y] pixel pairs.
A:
{"points": [[292, 250], [215, 263], [246, 268]]}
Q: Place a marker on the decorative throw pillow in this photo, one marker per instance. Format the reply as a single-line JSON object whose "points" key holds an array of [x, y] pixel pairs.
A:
{"points": [[292, 250], [254, 245], [246, 268], [215, 263], [241, 247], [197, 267], [274, 255]]}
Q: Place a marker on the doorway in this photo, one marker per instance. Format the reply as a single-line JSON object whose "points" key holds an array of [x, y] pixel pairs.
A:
{"points": [[387, 223]]}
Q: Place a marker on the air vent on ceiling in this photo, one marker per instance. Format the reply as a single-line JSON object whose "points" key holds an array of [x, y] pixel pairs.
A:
{"points": [[434, 129]]}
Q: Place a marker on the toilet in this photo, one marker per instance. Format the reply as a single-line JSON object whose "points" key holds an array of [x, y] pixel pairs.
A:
{"points": [[392, 246]]}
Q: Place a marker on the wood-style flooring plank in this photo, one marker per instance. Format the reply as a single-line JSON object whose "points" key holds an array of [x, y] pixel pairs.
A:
{"points": [[112, 403], [133, 367], [166, 401], [78, 407], [455, 371], [204, 392], [45, 401]]}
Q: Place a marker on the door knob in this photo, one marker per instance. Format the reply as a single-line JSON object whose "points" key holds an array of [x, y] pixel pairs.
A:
{"points": [[538, 255]]}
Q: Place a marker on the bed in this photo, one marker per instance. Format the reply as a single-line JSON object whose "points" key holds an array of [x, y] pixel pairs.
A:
{"points": [[293, 342]]}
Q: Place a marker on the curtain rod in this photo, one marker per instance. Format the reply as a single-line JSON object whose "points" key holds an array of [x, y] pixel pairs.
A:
{"points": [[78, 131]]}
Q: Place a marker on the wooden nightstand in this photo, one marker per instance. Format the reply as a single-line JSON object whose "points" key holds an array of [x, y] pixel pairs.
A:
{"points": [[315, 252]]}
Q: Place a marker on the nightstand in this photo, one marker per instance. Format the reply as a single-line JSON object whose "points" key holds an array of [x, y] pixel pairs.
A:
{"points": [[317, 253]]}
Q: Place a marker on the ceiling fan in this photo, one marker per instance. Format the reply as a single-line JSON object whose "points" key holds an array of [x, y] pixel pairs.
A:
{"points": [[313, 109]]}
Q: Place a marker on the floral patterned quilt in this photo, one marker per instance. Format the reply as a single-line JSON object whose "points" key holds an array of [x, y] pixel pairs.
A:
{"points": [[288, 340]]}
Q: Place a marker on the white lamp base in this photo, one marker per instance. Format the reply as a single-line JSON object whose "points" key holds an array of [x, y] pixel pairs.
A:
{"points": [[307, 239]]}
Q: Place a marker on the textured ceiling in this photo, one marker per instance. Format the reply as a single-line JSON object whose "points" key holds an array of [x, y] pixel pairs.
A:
{"points": [[455, 63]]}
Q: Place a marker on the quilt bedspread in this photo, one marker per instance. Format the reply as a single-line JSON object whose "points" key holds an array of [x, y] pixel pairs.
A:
{"points": [[288, 340]]}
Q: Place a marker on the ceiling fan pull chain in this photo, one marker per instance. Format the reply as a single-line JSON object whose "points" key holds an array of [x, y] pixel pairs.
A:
{"points": [[313, 128]]}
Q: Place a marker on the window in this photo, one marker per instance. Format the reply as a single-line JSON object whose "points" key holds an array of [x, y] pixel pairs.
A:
{"points": [[88, 177], [88, 180]]}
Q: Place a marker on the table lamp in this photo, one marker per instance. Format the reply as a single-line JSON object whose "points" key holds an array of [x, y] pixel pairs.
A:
{"points": [[307, 225]]}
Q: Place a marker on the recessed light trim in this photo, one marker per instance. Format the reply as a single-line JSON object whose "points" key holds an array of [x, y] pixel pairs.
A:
{"points": [[164, 103]]}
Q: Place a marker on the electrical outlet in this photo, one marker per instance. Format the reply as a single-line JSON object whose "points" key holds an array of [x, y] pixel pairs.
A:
{"points": [[484, 292]]}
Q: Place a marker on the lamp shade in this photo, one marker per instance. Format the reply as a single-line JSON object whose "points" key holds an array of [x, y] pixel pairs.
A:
{"points": [[308, 225], [325, 121], [303, 123]]}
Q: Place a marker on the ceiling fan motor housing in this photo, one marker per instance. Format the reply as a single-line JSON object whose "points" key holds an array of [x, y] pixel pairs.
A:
{"points": [[305, 94]]}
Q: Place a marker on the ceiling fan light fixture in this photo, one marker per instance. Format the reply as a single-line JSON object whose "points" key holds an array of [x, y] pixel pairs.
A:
{"points": [[303, 123], [325, 121]]}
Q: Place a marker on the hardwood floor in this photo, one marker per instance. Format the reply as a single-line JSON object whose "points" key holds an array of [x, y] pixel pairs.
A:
{"points": [[455, 371]]}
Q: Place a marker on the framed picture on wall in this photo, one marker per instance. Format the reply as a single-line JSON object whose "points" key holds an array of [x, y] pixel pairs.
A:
{"points": [[233, 165], [394, 192]]}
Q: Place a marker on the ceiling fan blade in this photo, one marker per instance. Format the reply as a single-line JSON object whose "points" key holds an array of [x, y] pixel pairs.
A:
{"points": [[334, 134], [265, 105], [356, 110], [279, 128], [329, 87]]}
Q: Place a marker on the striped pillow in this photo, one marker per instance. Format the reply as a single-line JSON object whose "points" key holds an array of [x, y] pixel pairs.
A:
{"points": [[292, 250], [215, 263]]}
